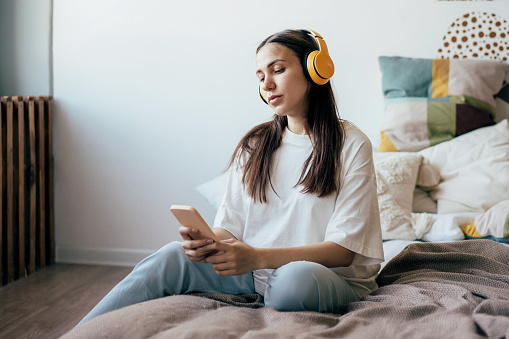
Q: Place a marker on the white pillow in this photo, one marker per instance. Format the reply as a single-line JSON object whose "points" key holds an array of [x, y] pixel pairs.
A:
{"points": [[213, 190], [474, 170], [446, 227], [429, 175], [396, 175], [422, 202]]}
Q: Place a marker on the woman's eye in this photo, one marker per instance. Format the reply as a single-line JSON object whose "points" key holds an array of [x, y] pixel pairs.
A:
{"points": [[278, 71], [261, 79]]}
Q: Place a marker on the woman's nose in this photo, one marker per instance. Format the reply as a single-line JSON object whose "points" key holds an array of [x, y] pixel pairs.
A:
{"points": [[268, 85]]}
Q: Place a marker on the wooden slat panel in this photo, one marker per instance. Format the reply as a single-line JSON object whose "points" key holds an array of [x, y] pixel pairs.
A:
{"points": [[26, 186], [3, 163], [41, 186], [21, 190], [51, 180], [10, 193], [32, 175]]}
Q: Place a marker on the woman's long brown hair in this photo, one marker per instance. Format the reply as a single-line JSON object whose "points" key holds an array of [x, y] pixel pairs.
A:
{"points": [[321, 171]]}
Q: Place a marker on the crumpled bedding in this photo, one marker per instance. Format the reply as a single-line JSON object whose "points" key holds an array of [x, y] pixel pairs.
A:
{"points": [[429, 290]]}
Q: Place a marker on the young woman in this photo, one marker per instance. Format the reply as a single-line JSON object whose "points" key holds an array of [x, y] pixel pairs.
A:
{"points": [[299, 223]]}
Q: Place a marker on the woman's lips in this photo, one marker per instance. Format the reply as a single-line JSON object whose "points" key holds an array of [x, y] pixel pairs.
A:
{"points": [[274, 99]]}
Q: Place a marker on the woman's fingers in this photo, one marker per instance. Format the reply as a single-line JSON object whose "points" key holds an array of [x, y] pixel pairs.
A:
{"points": [[227, 268], [196, 250], [235, 258], [194, 255], [187, 232], [196, 244]]}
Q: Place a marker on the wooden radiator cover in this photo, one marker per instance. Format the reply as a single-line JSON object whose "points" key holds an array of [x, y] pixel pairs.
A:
{"points": [[26, 181]]}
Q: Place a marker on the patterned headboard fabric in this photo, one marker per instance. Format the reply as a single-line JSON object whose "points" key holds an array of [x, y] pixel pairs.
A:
{"points": [[478, 35]]}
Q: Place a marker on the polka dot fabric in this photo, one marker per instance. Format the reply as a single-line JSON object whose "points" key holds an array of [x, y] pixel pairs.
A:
{"points": [[476, 35]]}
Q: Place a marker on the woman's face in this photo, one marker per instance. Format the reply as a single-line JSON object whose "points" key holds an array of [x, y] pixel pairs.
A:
{"points": [[283, 81]]}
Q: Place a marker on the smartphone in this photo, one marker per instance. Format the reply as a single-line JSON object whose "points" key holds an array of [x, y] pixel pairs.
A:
{"points": [[188, 216]]}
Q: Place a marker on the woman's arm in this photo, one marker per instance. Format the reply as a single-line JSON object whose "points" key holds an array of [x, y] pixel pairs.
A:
{"points": [[326, 253], [240, 258]]}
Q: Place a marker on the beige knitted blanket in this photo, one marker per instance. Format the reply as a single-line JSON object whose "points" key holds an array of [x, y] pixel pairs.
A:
{"points": [[429, 290]]}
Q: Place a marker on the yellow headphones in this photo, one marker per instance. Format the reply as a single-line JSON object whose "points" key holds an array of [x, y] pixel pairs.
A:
{"points": [[317, 64]]}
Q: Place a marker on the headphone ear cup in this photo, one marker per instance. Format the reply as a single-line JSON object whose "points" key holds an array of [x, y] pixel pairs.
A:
{"points": [[261, 94], [305, 67], [311, 68]]}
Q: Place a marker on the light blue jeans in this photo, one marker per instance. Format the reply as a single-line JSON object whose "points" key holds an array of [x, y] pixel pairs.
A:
{"points": [[297, 286]]}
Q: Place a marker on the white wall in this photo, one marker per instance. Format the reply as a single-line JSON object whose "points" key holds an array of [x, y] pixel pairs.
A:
{"points": [[152, 97], [25, 53]]}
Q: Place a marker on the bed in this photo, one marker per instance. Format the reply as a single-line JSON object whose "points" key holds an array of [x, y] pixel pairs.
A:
{"points": [[442, 170]]}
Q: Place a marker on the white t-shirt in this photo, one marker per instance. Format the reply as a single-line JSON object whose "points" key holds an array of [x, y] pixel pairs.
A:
{"points": [[349, 218]]}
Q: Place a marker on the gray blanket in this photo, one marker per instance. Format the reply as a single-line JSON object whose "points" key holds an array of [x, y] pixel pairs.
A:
{"points": [[429, 290]]}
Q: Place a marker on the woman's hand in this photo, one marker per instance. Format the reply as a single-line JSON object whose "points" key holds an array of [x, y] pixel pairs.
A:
{"points": [[195, 249], [235, 257]]}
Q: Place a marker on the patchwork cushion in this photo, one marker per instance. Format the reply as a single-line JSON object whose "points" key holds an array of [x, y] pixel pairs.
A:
{"points": [[429, 101]]}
